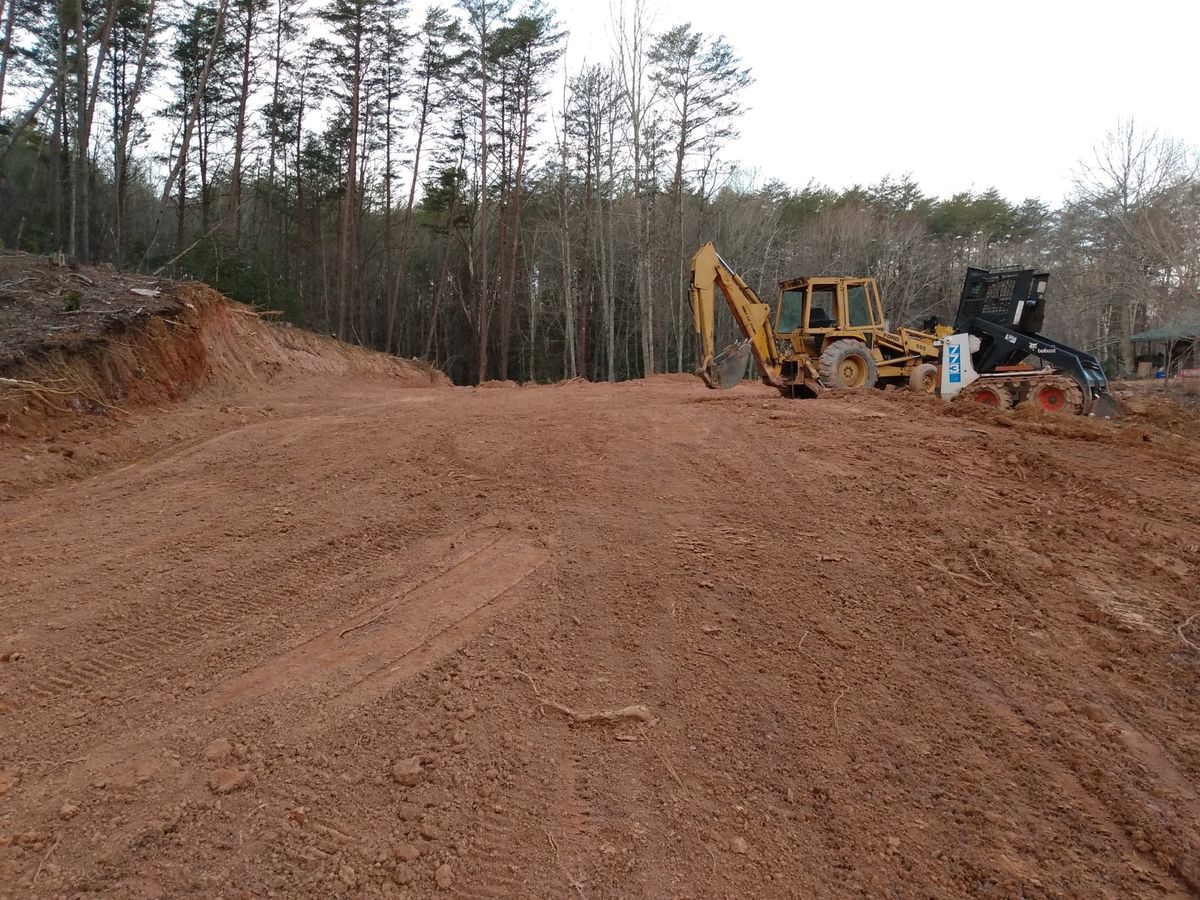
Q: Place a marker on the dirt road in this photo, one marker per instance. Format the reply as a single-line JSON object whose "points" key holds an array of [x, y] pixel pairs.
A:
{"points": [[298, 647]]}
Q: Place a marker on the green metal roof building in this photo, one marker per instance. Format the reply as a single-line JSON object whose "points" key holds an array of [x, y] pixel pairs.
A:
{"points": [[1177, 345]]}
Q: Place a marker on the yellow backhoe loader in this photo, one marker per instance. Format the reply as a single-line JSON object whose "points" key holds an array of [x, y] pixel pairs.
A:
{"points": [[827, 332], [830, 332]]}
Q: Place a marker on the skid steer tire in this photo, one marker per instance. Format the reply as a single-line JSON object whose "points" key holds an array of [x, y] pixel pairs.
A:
{"points": [[1057, 397], [923, 378], [994, 394], [847, 365]]}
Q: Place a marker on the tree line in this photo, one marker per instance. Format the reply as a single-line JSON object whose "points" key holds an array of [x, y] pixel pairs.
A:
{"points": [[440, 187]]}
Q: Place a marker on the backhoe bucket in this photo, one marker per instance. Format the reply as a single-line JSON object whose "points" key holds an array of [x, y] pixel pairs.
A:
{"points": [[728, 367], [1105, 406]]}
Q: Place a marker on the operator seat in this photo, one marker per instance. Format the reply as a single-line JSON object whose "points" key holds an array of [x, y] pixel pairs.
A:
{"points": [[818, 318]]}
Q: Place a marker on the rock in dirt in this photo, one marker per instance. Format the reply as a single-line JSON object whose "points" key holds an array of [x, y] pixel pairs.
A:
{"points": [[406, 852], [444, 876], [407, 771], [430, 832], [402, 874], [409, 812], [68, 810], [218, 750], [348, 876], [226, 781], [1057, 708], [740, 845], [8, 781], [1097, 714], [436, 796]]}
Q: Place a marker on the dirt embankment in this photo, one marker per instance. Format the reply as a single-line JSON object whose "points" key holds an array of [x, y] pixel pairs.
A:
{"points": [[91, 350], [84, 340]]}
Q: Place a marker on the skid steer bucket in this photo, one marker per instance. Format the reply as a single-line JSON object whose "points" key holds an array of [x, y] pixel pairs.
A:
{"points": [[1105, 406], [728, 367]]}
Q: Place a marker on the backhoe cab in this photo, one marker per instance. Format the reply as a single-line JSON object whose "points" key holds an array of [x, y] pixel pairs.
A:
{"points": [[826, 332]]}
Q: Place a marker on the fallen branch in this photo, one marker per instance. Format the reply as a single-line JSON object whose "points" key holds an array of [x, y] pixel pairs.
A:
{"points": [[43, 862], [532, 683], [941, 568], [837, 727], [1187, 623], [578, 885], [666, 762], [637, 711], [980, 569], [371, 621]]}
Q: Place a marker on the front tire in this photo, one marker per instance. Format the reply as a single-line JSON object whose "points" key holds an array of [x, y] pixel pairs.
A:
{"points": [[848, 365], [923, 378]]}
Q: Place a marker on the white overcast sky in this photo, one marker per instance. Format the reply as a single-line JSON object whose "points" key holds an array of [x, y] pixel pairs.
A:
{"points": [[963, 95]]}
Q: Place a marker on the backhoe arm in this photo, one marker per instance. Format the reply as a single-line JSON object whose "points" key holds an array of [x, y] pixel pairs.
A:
{"points": [[753, 317]]}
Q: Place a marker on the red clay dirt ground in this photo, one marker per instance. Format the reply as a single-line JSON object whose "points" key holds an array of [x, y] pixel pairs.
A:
{"points": [[293, 638]]}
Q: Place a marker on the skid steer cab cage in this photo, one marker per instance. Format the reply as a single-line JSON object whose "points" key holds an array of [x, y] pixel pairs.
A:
{"points": [[1002, 310]]}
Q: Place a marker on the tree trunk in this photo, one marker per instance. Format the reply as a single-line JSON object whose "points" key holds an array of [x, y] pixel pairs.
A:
{"points": [[191, 115], [181, 211], [483, 308], [513, 237], [350, 201], [443, 270], [406, 227], [571, 367], [239, 128], [10, 15], [273, 131], [61, 143], [121, 139], [78, 245], [483, 314]]}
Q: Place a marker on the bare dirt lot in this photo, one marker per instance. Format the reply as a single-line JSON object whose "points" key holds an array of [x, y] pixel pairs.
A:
{"points": [[305, 638]]}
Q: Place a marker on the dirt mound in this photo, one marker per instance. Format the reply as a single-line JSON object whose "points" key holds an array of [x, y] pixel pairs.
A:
{"points": [[94, 341]]}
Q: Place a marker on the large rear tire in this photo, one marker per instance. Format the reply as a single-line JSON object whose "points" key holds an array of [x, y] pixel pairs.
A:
{"points": [[848, 365], [923, 378]]}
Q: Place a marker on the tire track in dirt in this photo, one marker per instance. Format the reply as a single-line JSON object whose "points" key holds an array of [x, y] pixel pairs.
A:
{"points": [[502, 867], [1099, 812], [387, 648], [466, 576], [202, 610]]}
